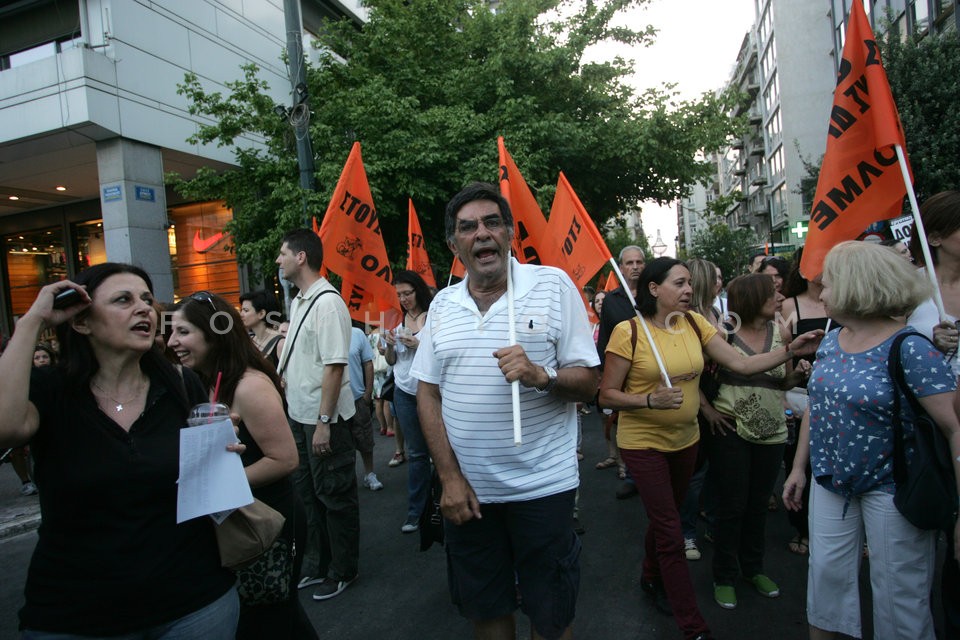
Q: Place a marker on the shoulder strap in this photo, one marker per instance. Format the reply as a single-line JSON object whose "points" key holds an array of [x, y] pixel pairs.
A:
{"points": [[268, 348], [288, 348], [895, 371], [796, 304], [693, 323]]}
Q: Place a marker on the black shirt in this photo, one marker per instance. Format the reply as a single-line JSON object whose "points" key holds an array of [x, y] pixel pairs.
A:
{"points": [[111, 558], [616, 308]]}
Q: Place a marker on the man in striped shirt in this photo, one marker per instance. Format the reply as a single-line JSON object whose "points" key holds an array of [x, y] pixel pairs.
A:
{"points": [[508, 508]]}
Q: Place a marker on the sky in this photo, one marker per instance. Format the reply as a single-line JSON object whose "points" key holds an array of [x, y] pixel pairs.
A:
{"points": [[696, 48]]}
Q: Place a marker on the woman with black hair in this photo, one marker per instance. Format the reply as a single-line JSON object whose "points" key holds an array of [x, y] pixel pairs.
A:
{"points": [[209, 336], [260, 313], [104, 430], [777, 268], [402, 343], [658, 434]]}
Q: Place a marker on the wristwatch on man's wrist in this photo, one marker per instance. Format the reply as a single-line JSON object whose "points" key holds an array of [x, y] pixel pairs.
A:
{"points": [[551, 380], [325, 419]]}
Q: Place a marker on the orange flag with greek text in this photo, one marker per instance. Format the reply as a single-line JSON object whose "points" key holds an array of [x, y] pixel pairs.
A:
{"points": [[353, 246], [529, 225], [860, 179], [572, 239], [417, 259]]}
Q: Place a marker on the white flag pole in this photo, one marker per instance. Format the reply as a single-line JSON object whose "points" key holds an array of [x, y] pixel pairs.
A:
{"points": [[511, 321], [643, 323], [924, 245]]}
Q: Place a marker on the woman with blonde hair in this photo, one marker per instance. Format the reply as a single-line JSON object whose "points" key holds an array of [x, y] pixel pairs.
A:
{"points": [[847, 435]]}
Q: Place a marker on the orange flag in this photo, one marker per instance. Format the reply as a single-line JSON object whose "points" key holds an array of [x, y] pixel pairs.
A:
{"points": [[612, 282], [573, 242], [529, 225], [860, 179], [417, 259], [457, 269], [353, 246]]}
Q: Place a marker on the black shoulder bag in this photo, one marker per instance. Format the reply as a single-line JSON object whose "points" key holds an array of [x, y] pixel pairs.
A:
{"points": [[926, 493]]}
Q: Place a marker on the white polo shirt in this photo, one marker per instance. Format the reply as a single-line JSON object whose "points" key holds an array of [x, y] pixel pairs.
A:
{"points": [[456, 353], [324, 339]]}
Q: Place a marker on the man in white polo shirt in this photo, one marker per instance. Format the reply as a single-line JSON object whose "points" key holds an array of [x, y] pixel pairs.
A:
{"points": [[508, 508], [320, 408]]}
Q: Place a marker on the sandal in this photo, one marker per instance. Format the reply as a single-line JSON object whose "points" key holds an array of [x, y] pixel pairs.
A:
{"points": [[608, 462], [622, 471], [799, 545]]}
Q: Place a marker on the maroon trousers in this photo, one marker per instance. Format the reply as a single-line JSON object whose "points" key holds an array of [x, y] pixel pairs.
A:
{"points": [[662, 479]]}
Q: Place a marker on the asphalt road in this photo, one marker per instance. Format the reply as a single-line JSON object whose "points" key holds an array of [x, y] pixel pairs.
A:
{"points": [[402, 594]]}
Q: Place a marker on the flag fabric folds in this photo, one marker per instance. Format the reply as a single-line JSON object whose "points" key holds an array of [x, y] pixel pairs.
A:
{"points": [[529, 225], [572, 240], [457, 269], [612, 282], [353, 246], [860, 180], [417, 259]]}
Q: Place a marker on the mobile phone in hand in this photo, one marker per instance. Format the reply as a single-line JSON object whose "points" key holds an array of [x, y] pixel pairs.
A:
{"points": [[66, 299]]}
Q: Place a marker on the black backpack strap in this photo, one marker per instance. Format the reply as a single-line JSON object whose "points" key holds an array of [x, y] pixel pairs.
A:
{"points": [[895, 371], [288, 348]]}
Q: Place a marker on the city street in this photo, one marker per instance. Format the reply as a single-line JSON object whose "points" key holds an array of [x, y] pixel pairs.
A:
{"points": [[401, 592]]}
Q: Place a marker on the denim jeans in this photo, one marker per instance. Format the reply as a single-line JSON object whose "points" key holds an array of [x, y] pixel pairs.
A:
{"points": [[216, 621], [418, 456]]}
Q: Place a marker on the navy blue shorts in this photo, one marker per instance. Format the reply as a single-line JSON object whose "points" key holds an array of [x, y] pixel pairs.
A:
{"points": [[526, 549]]}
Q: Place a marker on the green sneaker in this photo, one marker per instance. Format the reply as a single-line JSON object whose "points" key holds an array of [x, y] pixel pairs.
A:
{"points": [[725, 595], [765, 586]]}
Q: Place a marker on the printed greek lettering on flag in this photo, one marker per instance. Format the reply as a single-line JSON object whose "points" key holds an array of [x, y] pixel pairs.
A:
{"points": [[572, 239], [417, 259], [860, 179], [529, 225], [353, 246]]}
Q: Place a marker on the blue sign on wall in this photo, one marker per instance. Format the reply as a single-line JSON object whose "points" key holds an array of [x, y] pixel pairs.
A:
{"points": [[147, 194], [111, 194]]}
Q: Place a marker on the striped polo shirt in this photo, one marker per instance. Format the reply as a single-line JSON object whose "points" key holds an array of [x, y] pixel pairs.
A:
{"points": [[456, 353]]}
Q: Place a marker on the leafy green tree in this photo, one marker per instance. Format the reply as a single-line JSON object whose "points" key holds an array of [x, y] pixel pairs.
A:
{"points": [[924, 74], [427, 87], [727, 248]]}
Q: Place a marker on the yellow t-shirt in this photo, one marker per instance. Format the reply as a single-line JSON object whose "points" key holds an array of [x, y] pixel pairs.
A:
{"points": [[682, 354]]}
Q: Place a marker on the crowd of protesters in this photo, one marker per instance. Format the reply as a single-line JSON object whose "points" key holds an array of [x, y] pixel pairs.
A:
{"points": [[705, 397]]}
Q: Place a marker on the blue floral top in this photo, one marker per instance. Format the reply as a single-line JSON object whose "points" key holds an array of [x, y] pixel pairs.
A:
{"points": [[851, 409]]}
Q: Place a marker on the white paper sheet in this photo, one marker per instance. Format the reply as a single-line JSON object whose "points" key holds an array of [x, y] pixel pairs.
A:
{"points": [[211, 478]]}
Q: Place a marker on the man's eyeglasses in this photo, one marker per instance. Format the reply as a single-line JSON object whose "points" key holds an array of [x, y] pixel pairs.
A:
{"points": [[493, 222], [204, 297]]}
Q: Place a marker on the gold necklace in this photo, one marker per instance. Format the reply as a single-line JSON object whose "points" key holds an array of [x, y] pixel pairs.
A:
{"points": [[118, 403]]}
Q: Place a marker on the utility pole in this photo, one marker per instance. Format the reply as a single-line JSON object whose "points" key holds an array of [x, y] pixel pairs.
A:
{"points": [[299, 114]]}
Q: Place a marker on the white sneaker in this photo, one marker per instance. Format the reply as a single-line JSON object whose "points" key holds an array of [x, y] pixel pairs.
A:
{"points": [[690, 549], [28, 489], [371, 482]]}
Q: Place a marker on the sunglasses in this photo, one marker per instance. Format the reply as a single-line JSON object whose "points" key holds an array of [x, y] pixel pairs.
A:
{"points": [[204, 297]]}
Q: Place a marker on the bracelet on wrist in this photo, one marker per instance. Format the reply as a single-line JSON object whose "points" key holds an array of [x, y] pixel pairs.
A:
{"points": [[649, 406]]}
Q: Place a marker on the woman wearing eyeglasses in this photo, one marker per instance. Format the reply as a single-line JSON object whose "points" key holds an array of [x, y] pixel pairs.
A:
{"points": [[209, 336], [402, 343], [104, 429]]}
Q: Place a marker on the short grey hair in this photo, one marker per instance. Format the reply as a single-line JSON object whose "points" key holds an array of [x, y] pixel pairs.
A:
{"points": [[630, 247]]}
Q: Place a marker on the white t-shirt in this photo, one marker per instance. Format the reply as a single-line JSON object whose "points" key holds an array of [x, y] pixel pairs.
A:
{"points": [[925, 317], [456, 353]]}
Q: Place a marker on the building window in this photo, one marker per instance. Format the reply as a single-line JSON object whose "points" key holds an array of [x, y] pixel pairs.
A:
{"points": [[34, 259]]}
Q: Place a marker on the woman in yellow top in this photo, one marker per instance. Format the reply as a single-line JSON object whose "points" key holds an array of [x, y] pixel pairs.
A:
{"points": [[746, 447], [658, 434]]}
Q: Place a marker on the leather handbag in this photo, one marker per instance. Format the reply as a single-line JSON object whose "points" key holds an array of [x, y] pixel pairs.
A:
{"points": [[247, 533], [926, 493]]}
